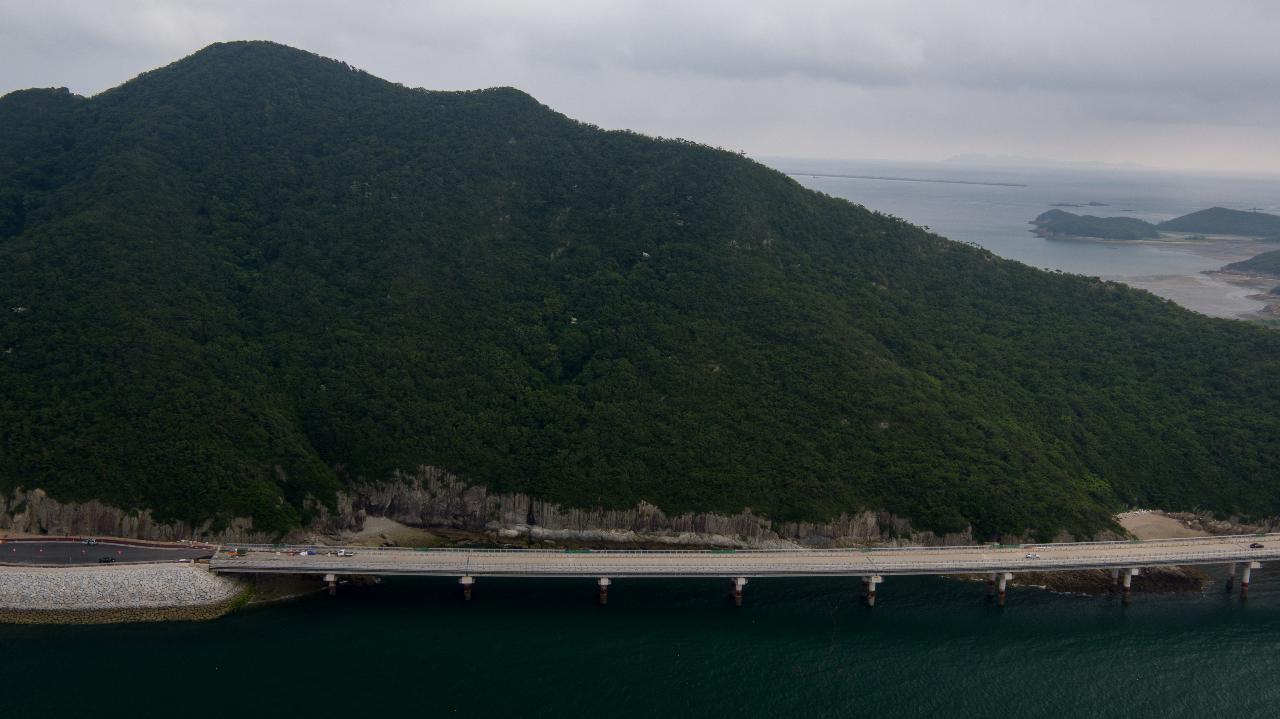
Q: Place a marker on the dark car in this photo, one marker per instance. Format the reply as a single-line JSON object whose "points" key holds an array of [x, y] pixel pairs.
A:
{"points": [[1255, 545], [106, 560]]}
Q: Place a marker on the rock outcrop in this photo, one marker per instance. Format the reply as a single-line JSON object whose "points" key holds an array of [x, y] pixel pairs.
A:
{"points": [[34, 512], [433, 498]]}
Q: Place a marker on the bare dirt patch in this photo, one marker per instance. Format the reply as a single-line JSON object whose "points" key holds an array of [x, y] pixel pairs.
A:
{"points": [[1153, 525]]}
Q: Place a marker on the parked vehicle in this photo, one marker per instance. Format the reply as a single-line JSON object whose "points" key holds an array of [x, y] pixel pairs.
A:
{"points": [[1255, 545], [346, 553], [90, 541], [1032, 555], [106, 560]]}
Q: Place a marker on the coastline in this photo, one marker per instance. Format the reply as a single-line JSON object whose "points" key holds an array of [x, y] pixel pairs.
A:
{"points": [[153, 592], [1213, 292]]}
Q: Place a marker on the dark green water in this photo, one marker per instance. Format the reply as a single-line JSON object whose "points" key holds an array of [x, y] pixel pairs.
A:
{"points": [[931, 648]]}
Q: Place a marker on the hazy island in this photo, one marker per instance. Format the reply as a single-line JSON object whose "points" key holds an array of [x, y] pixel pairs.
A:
{"points": [[1267, 263], [1059, 223], [1222, 221], [1200, 225]]}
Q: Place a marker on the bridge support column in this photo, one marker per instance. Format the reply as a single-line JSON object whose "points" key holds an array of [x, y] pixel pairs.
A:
{"points": [[1245, 573], [467, 582], [738, 584], [869, 583], [1002, 582], [1126, 580], [1115, 580], [603, 584], [332, 581], [1231, 576], [991, 585]]}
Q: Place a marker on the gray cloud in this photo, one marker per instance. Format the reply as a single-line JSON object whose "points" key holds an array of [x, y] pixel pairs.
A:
{"points": [[1164, 83]]}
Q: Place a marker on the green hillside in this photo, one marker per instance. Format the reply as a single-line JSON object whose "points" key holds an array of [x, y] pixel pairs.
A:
{"points": [[1067, 224], [1221, 221], [1267, 263], [256, 275]]}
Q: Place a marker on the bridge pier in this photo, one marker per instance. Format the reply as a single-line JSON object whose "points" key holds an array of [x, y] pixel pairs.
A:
{"points": [[1002, 582], [603, 584], [991, 585], [1126, 579], [1115, 580], [869, 583], [1231, 576], [1245, 573], [738, 584], [467, 582], [332, 581]]}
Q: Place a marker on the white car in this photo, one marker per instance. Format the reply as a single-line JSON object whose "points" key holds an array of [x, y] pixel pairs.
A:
{"points": [[1032, 555]]}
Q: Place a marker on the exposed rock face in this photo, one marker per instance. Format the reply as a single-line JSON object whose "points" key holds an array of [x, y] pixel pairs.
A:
{"points": [[34, 512], [431, 497], [1207, 524]]}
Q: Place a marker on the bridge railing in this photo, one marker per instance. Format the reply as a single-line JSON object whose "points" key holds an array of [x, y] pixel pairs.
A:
{"points": [[1045, 546], [859, 563]]}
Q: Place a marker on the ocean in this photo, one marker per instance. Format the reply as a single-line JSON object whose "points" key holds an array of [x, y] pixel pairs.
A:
{"points": [[993, 206], [670, 648]]}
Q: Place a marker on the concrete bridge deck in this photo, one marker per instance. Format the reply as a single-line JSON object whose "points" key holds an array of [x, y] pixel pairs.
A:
{"points": [[754, 563]]}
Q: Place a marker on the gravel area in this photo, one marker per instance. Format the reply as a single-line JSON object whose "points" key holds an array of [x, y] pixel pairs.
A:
{"points": [[140, 586]]}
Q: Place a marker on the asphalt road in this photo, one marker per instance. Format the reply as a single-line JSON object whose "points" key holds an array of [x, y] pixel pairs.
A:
{"points": [[759, 563], [73, 552]]}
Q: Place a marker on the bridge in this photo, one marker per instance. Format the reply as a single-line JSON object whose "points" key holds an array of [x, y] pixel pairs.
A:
{"points": [[1125, 559]]}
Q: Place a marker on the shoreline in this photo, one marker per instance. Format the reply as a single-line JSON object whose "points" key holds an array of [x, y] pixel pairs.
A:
{"points": [[85, 594], [1211, 291], [144, 592]]}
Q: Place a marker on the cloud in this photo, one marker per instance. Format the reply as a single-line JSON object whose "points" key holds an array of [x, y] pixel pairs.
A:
{"points": [[866, 77]]}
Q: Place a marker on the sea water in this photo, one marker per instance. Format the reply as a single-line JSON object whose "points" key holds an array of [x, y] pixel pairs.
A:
{"points": [[931, 647], [993, 207]]}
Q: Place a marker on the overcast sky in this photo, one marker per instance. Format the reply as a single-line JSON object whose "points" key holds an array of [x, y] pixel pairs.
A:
{"points": [[1166, 84]]}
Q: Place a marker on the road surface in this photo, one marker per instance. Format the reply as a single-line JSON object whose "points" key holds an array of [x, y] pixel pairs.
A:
{"points": [[67, 552], [754, 563]]}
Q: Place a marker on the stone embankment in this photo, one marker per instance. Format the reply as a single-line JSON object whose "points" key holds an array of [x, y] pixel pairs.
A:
{"points": [[122, 593]]}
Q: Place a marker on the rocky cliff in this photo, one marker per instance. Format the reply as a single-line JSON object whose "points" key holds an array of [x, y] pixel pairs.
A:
{"points": [[434, 499]]}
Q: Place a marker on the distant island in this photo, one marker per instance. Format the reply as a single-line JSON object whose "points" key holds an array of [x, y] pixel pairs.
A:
{"points": [[1213, 221], [1221, 221], [1091, 203], [1059, 223], [1267, 263]]}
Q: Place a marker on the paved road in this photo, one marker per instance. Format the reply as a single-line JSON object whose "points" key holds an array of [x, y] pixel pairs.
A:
{"points": [[837, 562], [73, 552]]}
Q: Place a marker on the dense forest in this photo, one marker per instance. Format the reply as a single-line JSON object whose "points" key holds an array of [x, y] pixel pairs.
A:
{"points": [[1222, 221], [1059, 223], [256, 275]]}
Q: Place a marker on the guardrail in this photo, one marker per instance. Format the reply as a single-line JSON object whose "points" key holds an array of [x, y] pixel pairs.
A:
{"points": [[1042, 546], [719, 564]]}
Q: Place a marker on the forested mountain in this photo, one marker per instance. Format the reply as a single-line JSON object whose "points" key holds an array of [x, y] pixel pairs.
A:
{"points": [[1222, 221], [1068, 224], [255, 275]]}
